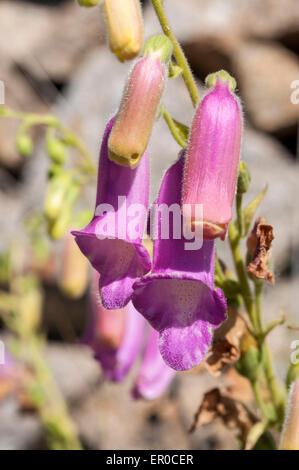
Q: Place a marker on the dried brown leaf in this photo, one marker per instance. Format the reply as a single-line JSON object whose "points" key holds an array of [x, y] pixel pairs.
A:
{"points": [[232, 413], [259, 245], [225, 348]]}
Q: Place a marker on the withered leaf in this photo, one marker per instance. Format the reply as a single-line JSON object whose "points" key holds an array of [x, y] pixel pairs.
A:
{"points": [[259, 247], [233, 414], [225, 347]]}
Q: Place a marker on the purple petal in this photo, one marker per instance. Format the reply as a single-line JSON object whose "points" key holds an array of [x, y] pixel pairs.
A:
{"points": [[178, 298], [110, 243], [154, 376]]}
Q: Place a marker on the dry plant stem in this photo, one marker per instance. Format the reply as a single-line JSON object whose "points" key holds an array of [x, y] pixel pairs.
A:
{"points": [[32, 119], [178, 52]]}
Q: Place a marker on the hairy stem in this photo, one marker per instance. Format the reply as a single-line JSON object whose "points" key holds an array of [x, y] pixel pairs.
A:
{"points": [[178, 52], [242, 275], [32, 119]]}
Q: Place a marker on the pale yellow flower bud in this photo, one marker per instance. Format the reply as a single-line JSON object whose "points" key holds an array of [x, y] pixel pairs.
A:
{"points": [[125, 27]]}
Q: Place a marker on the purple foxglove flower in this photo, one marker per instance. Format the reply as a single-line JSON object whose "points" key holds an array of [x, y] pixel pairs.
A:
{"points": [[178, 297], [154, 376], [113, 240], [138, 110], [212, 160], [114, 335]]}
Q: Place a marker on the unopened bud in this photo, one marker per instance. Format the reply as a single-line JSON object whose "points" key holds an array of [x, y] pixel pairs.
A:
{"points": [[222, 76], [56, 151], [244, 179], [290, 433], [248, 364], [30, 304], [213, 153], [125, 27], [64, 218], [293, 374], [134, 122], [160, 46], [57, 188], [24, 145]]}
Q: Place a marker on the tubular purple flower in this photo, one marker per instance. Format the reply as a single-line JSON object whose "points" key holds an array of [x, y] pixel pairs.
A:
{"points": [[114, 335], [178, 297], [138, 110], [211, 167], [113, 240], [154, 376]]}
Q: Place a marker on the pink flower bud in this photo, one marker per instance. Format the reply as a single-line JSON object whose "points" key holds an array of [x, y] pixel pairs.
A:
{"points": [[290, 433], [134, 122], [213, 153]]}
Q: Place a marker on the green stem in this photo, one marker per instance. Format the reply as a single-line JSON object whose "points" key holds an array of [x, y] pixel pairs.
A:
{"points": [[178, 52], [240, 214], [40, 384], [32, 119], [242, 275], [269, 371], [259, 400], [254, 312], [218, 270], [50, 404]]}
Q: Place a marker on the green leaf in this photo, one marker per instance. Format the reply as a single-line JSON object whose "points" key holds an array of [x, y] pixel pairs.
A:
{"points": [[174, 70], [182, 129], [250, 210], [179, 131]]}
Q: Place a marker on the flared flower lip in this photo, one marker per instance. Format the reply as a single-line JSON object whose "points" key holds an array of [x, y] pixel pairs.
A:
{"points": [[141, 251], [172, 328], [142, 260]]}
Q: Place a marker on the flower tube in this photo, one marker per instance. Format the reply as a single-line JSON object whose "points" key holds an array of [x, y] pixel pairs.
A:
{"points": [[114, 335], [113, 240], [178, 297], [212, 160], [125, 27], [154, 376], [138, 110]]}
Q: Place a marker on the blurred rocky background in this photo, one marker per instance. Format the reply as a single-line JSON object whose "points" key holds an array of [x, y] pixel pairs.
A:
{"points": [[54, 58]]}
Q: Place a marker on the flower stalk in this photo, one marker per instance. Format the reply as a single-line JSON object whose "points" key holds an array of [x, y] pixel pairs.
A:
{"points": [[178, 52]]}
